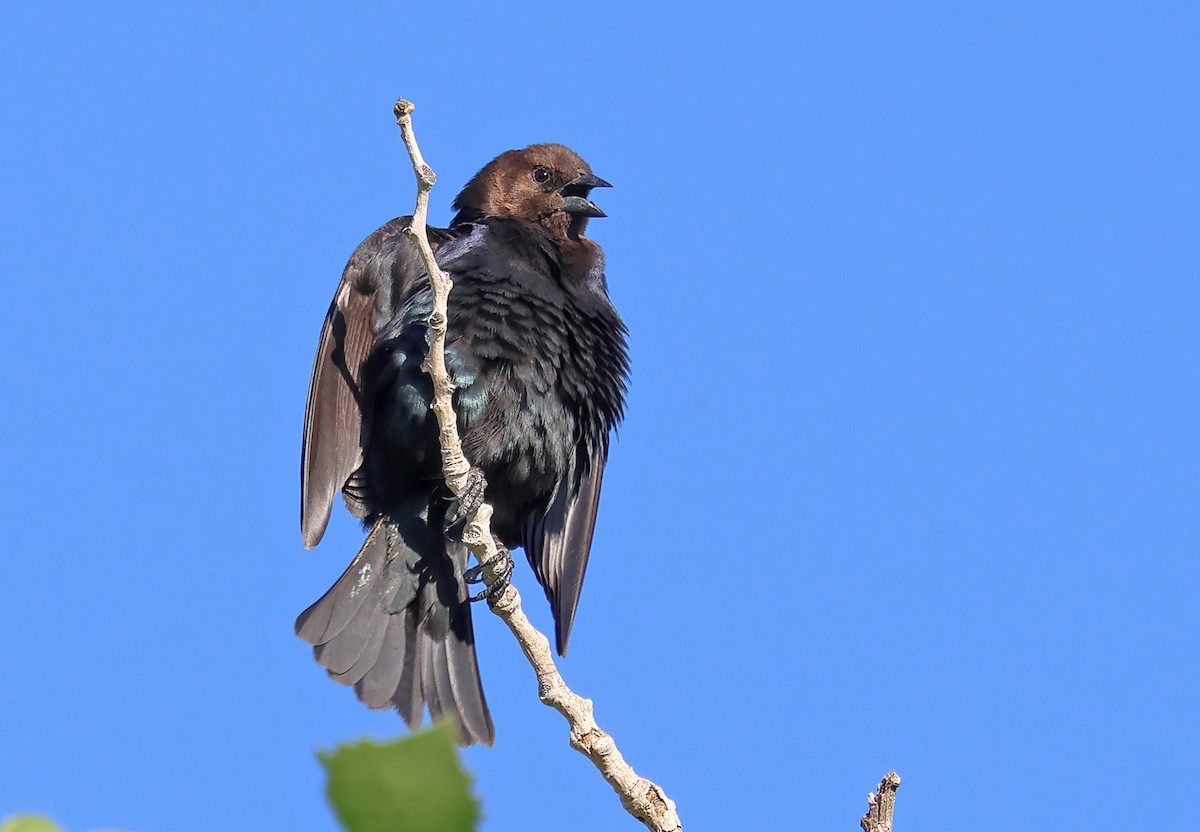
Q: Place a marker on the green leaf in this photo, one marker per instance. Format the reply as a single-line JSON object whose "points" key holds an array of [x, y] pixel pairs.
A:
{"points": [[414, 784], [28, 823]]}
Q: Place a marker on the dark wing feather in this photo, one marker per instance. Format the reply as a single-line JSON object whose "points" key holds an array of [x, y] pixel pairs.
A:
{"points": [[557, 543], [381, 273]]}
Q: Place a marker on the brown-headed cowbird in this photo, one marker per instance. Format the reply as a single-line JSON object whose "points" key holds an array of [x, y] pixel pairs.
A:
{"points": [[538, 358]]}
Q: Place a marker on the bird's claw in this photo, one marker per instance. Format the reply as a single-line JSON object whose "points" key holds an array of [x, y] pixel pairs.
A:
{"points": [[502, 567], [468, 500]]}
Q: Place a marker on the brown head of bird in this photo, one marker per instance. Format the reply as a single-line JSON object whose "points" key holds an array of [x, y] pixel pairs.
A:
{"points": [[548, 184]]}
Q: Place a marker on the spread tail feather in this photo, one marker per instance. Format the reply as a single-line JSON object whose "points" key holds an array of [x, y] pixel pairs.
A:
{"points": [[397, 624]]}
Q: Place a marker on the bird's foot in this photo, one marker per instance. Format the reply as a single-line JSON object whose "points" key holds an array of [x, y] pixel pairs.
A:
{"points": [[467, 502], [501, 565]]}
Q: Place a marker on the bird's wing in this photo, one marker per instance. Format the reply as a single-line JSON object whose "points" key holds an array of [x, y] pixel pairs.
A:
{"points": [[558, 542], [381, 273]]}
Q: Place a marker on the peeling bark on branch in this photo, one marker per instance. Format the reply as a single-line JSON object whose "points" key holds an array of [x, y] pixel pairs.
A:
{"points": [[882, 803], [641, 798]]}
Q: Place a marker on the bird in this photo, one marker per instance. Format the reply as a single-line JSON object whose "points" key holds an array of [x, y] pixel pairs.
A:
{"points": [[538, 356]]}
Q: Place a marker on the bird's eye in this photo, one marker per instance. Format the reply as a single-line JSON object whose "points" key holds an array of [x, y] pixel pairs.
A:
{"points": [[541, 175]]}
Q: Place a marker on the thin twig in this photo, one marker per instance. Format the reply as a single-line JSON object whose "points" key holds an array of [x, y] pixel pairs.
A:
{"points": [[641, 798], [882, 803]]}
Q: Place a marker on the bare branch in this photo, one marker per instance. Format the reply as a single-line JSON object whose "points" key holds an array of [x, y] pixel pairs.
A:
{"points": [[641, 798], [882, 803], [454, 464]]}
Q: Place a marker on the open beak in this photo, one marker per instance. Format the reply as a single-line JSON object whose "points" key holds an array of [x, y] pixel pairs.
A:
{"points": [[575, 194], [587, 180]]}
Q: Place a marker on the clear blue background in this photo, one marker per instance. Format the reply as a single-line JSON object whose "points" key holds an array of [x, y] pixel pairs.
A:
{"points": [[910, 472]]}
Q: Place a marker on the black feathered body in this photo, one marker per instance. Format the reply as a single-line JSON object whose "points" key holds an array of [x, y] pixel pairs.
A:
{"points": [[538, 358]]}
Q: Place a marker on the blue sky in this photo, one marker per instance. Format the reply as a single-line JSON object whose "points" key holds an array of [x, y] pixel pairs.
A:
{"points": [[910, 469]]}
